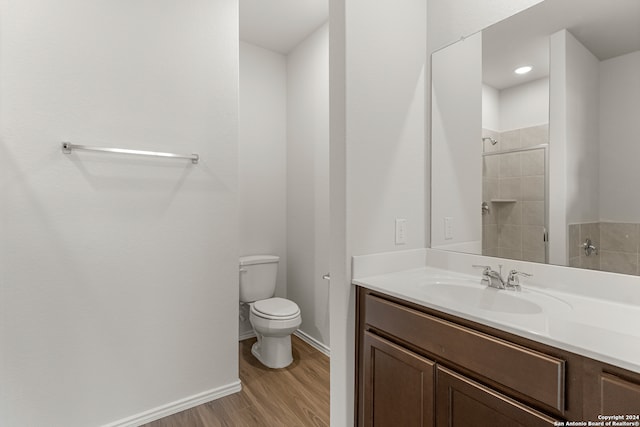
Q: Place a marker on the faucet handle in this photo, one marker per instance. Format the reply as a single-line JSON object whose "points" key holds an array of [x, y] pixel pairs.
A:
{"points": [[516, 273], [513, 280]]}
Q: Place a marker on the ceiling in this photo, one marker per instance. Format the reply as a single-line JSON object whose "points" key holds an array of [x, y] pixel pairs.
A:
{"points": [[608, 28], [280, 25]]}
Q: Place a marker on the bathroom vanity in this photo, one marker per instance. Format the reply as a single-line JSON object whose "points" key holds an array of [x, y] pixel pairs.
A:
{"points": [[420, 363], [524, 171]]}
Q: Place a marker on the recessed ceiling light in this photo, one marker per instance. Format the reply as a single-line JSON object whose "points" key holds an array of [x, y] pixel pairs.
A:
{"points": [[523, 70]]}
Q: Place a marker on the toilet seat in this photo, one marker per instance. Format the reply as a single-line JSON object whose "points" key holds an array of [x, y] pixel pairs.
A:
{"points": [[275, 309]]}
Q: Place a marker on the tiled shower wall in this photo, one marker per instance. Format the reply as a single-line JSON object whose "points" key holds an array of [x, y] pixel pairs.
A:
{"points": [[513, 185], [618, 246]]}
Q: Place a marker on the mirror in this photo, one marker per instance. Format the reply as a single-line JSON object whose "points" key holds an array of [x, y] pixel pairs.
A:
{"points": [[544, 165]]}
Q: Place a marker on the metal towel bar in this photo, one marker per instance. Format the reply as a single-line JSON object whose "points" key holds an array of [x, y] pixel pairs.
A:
{"points": [[67, 147]]}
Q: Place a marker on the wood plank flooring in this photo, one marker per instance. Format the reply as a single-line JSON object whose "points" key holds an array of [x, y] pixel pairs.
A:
{"points": [[294, 396]]}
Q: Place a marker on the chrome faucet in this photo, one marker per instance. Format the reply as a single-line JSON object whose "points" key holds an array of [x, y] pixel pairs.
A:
{"points": [[493, 279]]}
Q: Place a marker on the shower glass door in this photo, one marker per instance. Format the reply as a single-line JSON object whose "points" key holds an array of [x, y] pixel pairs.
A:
{"points": [[515, 193]]}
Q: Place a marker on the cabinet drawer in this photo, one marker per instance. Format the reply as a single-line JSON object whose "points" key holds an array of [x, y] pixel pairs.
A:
{"points": [[618, 396], [539, 376]]}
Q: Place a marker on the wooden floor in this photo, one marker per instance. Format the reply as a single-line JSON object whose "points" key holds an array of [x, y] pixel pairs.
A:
{"points": [[294, 396]]}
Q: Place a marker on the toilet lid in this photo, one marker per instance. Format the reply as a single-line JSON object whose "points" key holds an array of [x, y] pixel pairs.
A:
{"points": [[276, 308]]}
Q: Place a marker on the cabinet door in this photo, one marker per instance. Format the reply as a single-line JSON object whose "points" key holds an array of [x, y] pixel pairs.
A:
{"points": [[618, 396], [398, 385], [461, 402]]}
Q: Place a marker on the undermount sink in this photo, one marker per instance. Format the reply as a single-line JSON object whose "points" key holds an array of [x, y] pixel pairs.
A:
{"points": [[495, 300]]}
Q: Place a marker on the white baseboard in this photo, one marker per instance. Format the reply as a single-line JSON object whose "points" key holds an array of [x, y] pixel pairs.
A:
{"points": [[247, 335], [177, 406], [313, 342]]}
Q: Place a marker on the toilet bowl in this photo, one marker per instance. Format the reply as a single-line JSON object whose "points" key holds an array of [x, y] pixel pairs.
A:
{"points": [[273, 319]]}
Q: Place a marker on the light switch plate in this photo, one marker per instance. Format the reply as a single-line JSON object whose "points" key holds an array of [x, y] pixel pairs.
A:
{"points": [[448, 227], [401, 231]]}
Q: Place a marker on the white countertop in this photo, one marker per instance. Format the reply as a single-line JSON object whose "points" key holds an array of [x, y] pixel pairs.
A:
{"points": [[603, 330]]}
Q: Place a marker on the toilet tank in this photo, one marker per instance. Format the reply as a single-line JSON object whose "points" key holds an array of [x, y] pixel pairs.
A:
{"points": [[258, 275]]}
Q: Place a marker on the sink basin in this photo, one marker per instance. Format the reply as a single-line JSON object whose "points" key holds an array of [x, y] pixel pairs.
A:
{"points": [[494, 300]]}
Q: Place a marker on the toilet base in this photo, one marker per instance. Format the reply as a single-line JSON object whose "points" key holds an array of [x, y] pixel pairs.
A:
{"points": [[273, 352]]}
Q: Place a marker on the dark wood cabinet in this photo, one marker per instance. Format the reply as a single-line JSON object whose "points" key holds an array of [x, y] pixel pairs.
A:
{"points": [[463, 402], [399, 385], [420, 367], [510, 367]]}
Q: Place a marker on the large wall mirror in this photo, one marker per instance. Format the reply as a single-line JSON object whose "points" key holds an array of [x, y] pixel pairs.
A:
{"points": [[536, 137]]}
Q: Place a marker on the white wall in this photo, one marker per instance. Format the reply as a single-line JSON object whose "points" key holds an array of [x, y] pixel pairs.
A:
{"points": [[341, 295], [490, 108], [619, 129], [573, 148], [557, 249], [456, 92], [262, 165], [582, 169], [386, 134], [515, 107], [524, 105], [118, 275], [308, 182]]}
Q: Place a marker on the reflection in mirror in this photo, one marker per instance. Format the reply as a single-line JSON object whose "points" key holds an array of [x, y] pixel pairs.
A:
{"points": [[541, 165]]}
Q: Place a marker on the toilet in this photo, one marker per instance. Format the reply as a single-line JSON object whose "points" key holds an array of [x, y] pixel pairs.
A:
{"points": [[273, 319]]}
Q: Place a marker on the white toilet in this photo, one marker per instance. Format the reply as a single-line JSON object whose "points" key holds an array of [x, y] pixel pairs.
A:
{"points": [[273, 319]]}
